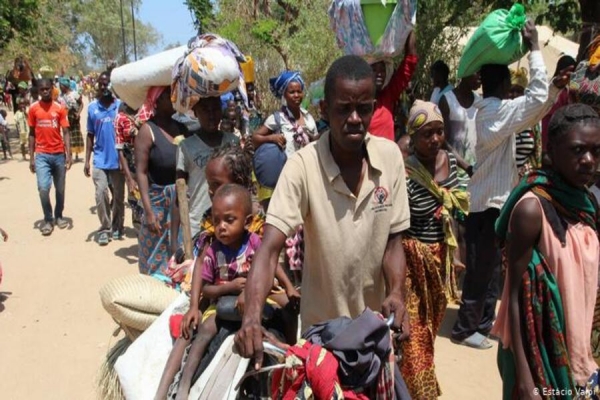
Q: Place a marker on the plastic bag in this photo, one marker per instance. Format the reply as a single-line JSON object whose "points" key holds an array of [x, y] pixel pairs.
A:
{"points": [[209, 68], [497, 41], [347, 21]]}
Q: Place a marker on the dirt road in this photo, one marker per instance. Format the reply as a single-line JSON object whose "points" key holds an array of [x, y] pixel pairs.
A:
{"points": [[53, 330]]}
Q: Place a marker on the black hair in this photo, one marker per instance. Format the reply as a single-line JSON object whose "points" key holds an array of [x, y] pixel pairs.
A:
{"points": [[346, 67], [564, 62], [493, 76], [440, 66], [565, 118], [3, 113], [240, 193], [42, 81], [238, 161], [105, 73]]}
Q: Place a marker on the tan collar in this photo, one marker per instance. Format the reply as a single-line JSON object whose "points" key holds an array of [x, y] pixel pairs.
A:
{"points": [[332, 170]]}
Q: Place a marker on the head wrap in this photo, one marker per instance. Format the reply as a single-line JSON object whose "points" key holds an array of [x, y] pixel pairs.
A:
{"points": [[146, 111], [422, 113], [66, 82], [389, 67], [279, 84], [22, 85], [519, 77]]}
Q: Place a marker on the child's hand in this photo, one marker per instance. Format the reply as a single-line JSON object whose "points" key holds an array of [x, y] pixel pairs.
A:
{"points": [[240, 303], [238, 284], [190, 320], [4, 234]]}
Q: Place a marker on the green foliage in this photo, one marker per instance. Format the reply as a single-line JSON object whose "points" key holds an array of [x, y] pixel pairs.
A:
{"points": [[265, 30], [296, 35], [202, 11], [99, 29], [65, 34], [17, 18], [562, 16]]}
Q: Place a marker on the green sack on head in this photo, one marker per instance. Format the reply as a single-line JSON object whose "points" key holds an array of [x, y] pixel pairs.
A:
{"points": [[497, 41]]}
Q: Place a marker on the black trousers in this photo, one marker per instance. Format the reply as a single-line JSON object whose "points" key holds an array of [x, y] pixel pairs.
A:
{"points": [[482, 279]]}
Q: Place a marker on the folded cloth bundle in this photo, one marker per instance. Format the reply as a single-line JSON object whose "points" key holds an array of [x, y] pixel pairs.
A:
{"points": [[209, 68]]}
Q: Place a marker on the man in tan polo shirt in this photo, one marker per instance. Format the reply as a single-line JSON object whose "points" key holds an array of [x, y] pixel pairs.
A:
{"points": [[349, 190]]}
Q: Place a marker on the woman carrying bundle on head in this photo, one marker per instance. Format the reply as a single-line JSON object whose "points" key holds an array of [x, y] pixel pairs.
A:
{"points": [[435, 199], [155, 155]]}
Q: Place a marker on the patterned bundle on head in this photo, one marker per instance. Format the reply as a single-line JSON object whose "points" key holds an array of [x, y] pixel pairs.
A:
{"points": [[209, 68]]}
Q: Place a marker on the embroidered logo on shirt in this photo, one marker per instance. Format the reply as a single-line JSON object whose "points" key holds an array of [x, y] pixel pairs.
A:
{"points": [[380, 195]]}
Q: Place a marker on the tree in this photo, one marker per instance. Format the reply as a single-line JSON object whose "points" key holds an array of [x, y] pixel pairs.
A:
{"points": [[203, 12], [17, 19], [49, 40], [99, 29], [278, 34], [296, 35]]}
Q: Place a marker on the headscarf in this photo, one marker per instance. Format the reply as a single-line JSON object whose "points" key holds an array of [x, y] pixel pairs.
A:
{"points": [[422, 113], [66, 82], [279, 84], [519, 77], [146, 111]]}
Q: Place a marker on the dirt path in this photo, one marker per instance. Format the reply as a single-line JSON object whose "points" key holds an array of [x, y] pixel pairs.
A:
{"points": [[53, 330]]}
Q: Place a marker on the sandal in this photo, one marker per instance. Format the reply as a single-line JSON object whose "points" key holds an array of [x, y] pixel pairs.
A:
{"points": [[47, 229], [475, 341], [103, 239]]}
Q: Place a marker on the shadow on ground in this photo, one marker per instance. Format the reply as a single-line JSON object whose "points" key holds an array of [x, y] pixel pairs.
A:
{"points": [[129, 254], [3, 297]]}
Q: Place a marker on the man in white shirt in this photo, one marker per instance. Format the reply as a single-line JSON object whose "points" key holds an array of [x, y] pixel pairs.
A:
{"points": [[494, 177]]}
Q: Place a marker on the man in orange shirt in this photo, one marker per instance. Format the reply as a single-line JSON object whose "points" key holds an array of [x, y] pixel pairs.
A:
{"points": [[50, 153]]}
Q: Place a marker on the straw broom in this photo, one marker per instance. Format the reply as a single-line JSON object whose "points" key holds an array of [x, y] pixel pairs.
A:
{"points": [[109, 387]]}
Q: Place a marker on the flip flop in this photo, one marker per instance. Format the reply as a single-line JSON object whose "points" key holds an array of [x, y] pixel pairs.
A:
{"points": [[475, 341], [47, 229]]}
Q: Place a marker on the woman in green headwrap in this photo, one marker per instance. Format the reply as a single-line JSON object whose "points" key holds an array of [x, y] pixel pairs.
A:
{"points": [[550, 226], [434, 199]]}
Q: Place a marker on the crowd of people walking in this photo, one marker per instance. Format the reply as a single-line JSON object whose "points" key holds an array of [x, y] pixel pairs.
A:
{"points": [[325, 217]]}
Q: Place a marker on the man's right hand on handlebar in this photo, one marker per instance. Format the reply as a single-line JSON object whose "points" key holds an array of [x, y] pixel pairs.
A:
{"points": [[248, 341]]}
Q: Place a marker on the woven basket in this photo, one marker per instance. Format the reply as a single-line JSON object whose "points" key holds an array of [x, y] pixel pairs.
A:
{"points": [[136, 301]]}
